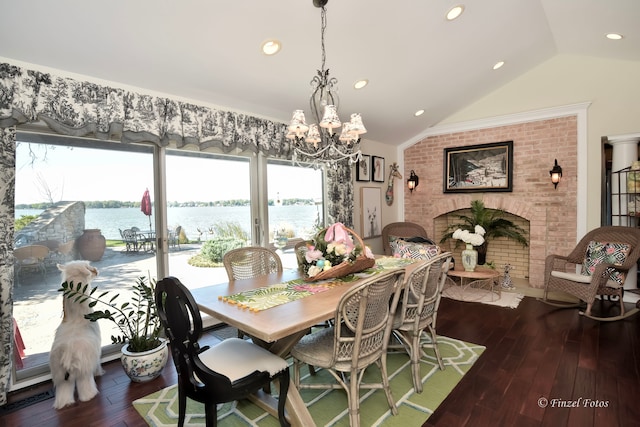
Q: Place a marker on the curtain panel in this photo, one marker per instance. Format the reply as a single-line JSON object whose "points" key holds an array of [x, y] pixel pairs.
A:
{"points": [[84, 109]]}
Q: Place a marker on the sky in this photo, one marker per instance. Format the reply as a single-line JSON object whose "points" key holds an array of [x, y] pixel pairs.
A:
{"points": [[93, 174]]}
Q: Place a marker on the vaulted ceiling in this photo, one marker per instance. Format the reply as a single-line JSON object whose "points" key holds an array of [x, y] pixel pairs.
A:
{"points": [[412, 56]]}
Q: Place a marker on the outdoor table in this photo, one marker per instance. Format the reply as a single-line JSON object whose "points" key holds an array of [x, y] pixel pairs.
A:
{"points": [[278, 328]]}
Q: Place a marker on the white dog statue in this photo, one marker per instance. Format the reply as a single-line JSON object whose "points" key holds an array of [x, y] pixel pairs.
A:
{"points": [[75, 353]]}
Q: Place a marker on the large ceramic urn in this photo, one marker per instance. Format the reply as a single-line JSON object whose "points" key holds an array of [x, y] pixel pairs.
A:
{"points": [[91, 244]]}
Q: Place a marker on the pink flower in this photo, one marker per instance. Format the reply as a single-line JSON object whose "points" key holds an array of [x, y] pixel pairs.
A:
{"points": [[313, 255]]}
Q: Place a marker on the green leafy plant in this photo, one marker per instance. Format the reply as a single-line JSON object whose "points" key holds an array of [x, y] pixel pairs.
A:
{"points": [[136, 319], [493, 223]]}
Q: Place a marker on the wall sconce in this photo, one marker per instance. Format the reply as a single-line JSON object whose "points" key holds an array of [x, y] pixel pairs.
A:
{"points": [[413, 180], [556, 174]]}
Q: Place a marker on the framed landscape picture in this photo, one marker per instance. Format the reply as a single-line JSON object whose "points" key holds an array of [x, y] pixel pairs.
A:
{"points": [[479, 168], [377, 168], [363, 169], [370, 212]]}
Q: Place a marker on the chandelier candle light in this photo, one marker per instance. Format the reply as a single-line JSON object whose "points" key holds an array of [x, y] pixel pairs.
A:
{"points": [[470, 255], [317, 143]]}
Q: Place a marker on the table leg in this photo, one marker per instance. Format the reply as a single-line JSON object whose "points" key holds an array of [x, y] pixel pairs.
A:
{"points": [[297, 411]]}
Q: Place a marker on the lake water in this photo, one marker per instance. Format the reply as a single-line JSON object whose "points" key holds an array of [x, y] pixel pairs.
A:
{"points": [[109, 221]]}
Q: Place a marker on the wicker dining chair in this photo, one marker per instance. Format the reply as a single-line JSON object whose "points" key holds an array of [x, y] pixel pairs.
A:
{"points": [[250, 262], [358, 340], [417, 310], [604, 256]]}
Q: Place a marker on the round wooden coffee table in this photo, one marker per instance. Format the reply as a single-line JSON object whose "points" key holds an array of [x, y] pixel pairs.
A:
{"points": [[480, 278]]}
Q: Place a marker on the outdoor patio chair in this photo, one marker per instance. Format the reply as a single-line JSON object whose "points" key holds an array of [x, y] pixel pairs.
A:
{"points": [[130, 239], [30, 257], [228, 371], [359, 338], [174, 237], [597, 266], [416, 312]]}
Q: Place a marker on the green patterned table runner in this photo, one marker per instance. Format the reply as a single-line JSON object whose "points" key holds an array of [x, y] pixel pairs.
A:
{"points": [[281, 293]]}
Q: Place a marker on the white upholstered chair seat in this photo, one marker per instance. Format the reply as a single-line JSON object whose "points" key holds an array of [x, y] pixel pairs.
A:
{"points": [[581, 278], [237, 359]]}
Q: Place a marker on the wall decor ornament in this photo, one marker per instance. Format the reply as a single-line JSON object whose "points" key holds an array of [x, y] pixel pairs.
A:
{"points": [[479, 168], [378, 169], [370, 212], [363, 168]]}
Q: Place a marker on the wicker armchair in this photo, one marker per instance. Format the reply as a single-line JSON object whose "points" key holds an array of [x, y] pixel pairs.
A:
{"points": [[401, 229], [561, 271]]}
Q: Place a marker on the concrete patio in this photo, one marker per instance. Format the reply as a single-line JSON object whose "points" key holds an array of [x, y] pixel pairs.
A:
{"points": [[38, 304]]}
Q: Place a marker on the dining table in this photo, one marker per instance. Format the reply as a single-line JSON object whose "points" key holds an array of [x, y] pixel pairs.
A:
{"points": [[280, 327]]}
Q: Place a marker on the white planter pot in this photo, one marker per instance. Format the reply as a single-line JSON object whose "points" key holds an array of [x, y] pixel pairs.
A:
{"points": [[145, 366]]}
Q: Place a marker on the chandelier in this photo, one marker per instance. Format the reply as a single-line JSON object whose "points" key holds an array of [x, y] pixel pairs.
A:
{"points": [[318, 143]]}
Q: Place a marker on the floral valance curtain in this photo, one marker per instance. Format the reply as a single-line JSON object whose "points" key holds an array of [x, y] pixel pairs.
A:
{"points": [[76, 108]]}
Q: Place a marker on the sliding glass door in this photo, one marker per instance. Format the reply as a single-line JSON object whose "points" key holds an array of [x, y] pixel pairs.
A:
{"points": [[73, 199], [67, 188]]}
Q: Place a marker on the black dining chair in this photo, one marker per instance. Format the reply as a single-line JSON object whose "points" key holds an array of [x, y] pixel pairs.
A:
{"points": [[228, 371]]}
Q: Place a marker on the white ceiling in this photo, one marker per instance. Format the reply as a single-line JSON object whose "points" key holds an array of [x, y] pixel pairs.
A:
{"points": [[209, 51]]}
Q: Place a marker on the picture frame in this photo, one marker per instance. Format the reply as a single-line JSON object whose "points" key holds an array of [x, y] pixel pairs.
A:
{"points": [[363, 169], [479, 168], [370, 212], [377, 169]]}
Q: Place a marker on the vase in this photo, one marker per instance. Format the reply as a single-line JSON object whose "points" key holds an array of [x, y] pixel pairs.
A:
{"points": [[146, 365], [469, 258], [91, 244]]}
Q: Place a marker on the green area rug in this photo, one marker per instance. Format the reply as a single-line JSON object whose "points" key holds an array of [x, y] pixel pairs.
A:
{"points": [[329, 407]]}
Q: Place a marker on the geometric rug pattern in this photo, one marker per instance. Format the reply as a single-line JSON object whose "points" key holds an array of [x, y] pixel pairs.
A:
{"points": [[329, 407]]}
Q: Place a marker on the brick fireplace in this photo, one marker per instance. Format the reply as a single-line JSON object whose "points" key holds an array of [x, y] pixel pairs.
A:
{"points": [[549, 214]]}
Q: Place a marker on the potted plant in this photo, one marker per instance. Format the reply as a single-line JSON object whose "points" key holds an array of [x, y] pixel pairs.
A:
{"points": [[493, 223], [144, 351]]}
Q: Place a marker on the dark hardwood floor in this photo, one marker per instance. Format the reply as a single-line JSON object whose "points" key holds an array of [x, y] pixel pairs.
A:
{"points": [[536, 354]]}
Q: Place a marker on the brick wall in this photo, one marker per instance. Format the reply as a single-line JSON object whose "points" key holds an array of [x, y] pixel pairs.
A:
{"points": [[549, 215]]}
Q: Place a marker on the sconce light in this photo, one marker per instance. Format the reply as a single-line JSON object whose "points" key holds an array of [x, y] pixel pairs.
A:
{"points": [[556, 174], [412, 182]]}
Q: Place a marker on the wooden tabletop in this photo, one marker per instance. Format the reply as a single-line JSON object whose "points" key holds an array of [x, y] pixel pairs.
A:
{"points": [[276, 322]]}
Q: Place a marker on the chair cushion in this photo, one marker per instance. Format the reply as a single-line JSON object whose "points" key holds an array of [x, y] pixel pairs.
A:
{"points": [[582, 278], [316, 349], [605, 252], [236, 359], [402, 249]]}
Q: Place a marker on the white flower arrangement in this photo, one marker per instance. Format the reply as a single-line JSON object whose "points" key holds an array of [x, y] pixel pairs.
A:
{"points": [[474, 239]]}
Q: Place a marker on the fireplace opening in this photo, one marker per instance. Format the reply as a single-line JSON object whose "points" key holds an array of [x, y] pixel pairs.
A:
{"points": [[500, 251]]}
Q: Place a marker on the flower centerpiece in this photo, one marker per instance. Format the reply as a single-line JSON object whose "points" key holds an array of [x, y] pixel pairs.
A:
{"points": [[470, 255], [332, 252]]}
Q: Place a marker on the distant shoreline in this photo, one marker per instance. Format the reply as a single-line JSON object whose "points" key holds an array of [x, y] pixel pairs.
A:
{"points": [[114, 204]]}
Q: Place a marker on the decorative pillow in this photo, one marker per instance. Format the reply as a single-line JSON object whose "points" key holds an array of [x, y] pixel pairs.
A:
{"points": [[403, 249], [605, 252]]}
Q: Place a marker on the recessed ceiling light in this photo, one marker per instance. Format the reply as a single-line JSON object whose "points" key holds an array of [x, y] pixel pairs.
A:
{"points": [[418, 113], [361, 83], [614, 36], [498, 64], [271, 47], [454, 12]]}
